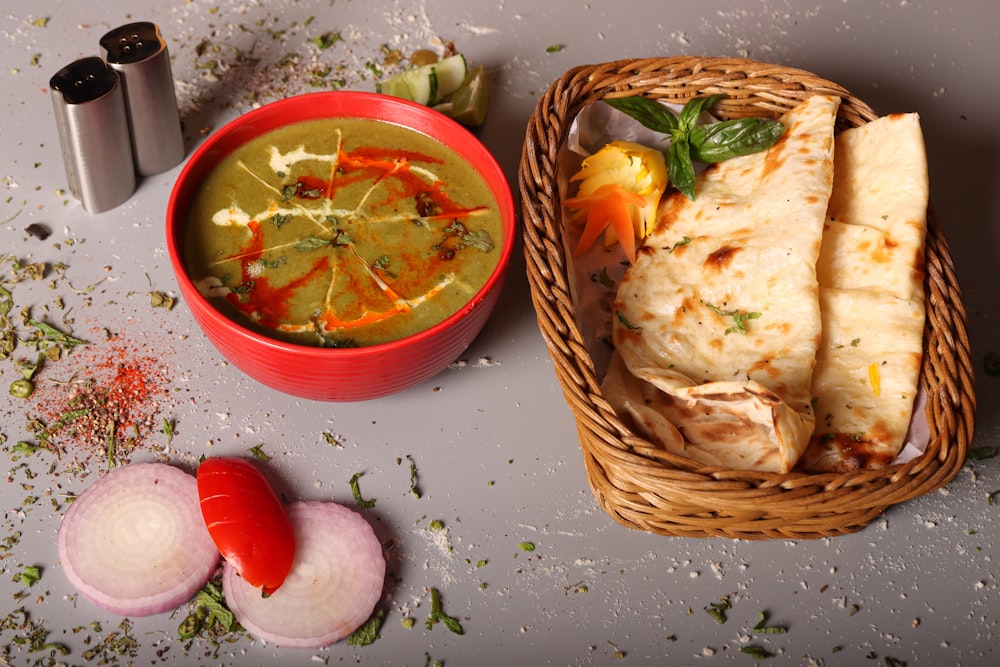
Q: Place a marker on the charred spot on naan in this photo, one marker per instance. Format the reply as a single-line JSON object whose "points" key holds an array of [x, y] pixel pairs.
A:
{"points": [[722, 258], [845, 452]]}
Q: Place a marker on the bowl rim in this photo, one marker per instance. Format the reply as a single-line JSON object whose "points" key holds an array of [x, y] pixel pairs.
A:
{"points": [[331, 105]]}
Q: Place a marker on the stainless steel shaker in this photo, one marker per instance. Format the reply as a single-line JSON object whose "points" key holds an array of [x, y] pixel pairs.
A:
{"points": [[139, 55], [92, 122]]}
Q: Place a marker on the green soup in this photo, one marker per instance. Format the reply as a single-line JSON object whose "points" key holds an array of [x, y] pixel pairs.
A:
{"points": [[342, 232]]}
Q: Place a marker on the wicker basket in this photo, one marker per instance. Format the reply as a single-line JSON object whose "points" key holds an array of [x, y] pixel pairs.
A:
{"points": [[639, 484]]}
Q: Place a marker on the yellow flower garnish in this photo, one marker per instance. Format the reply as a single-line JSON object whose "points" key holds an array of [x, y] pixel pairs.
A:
{"points": [[620, 189]]}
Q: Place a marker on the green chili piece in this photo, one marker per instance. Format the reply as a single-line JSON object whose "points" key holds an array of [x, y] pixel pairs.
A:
{"points": [[22, 388]]}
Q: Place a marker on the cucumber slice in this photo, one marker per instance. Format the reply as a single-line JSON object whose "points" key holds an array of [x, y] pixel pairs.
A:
{"points": [[427, 84], [451, 73]]}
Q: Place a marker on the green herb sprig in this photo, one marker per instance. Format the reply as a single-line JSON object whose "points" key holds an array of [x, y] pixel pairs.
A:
{"points": [[437, 615], [690, 142]]}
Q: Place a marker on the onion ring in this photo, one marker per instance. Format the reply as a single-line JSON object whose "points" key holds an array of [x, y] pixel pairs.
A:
{"points": [[134, 542], [335, 581]]}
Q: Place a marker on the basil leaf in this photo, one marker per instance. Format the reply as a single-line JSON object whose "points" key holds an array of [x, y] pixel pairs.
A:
{"points": [[692, 111], [649, 113], [690, 142], [311, 243], [731, 138], [680, 168]]}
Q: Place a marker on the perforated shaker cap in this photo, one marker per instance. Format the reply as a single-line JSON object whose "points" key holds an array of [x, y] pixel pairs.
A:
{"points": [[138, 53]]}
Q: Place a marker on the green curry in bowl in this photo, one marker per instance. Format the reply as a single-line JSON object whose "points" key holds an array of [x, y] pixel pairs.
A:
{"points": [[342, 232]]}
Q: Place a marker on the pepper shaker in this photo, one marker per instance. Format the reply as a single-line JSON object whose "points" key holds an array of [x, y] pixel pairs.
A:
{"points": [[93, 127], [139, 55]]}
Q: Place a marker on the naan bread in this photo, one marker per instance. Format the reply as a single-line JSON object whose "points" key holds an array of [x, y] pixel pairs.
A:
{"points": [[718, 320], [871, 275]]}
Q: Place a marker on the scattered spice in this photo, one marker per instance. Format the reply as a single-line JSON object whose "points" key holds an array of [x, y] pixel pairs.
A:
{"points": [[332, 440], [114, 645], [209, 618], [356, 491], [717, 610], [161, 300], [756, 652], [103, 416], [414, 491], [32, 634], [257, 452], [326, 40], [763, 628]]}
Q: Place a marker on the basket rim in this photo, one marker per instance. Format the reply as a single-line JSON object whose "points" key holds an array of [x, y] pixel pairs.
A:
{"points": [[609, 446]]}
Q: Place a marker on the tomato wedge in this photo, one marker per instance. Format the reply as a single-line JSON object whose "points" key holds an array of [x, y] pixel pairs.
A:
{"points": [[247, 521]]}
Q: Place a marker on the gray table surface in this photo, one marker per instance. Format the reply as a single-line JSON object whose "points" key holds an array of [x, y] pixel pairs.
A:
{"points": [[492, 437]]}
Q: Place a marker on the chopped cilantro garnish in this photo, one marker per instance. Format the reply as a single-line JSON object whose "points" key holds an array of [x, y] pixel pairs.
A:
{"points": [[625, 322], [684, 241], [739, 318]]}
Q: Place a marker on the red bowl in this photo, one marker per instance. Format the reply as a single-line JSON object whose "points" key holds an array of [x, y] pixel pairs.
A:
{"points": [[340, 374]]}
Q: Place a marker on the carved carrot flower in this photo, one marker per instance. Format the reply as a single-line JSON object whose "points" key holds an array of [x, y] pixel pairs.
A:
{"points": [[620, 189]]}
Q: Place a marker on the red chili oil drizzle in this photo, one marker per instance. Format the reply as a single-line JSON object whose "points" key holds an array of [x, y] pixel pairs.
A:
{"points": [[269, 305]]}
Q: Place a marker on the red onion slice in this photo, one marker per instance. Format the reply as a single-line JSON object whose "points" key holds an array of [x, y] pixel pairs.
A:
{"points": [[334, 584], [134, 542]]}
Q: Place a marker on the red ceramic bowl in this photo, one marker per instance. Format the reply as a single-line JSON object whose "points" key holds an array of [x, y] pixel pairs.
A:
{"points": [[340, 374]]}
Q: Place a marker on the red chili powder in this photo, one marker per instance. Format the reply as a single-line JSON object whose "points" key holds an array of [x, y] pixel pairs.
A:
{"points": [[100, 404]]}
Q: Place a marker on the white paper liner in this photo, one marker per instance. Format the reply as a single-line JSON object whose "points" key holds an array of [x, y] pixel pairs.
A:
{"points": [[594, 275]]}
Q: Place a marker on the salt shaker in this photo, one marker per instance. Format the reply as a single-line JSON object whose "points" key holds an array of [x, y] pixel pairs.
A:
{"points": [[139, 55], [93, 126]]}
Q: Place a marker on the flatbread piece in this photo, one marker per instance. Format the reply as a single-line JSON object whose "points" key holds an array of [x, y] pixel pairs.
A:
{"points": [[717, 322], [871, 275]]}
